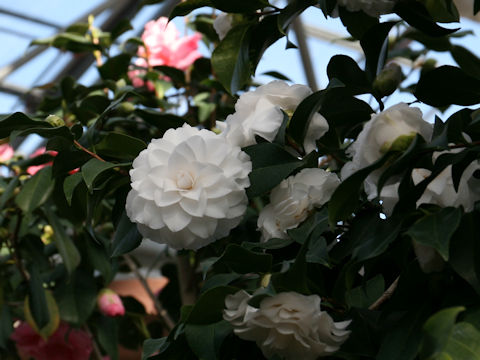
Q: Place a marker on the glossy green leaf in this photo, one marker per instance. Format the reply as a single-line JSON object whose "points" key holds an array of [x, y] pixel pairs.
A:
{"points": [[151, 346], [243, 261], [447, 85], [70, 184], [107, 335], [476, 6], [19, 121], [36, 190], [94, 167], [230, 59], [69, 41], [185, 7], [245, 6], [210, 305], [366, 294], [120, 146], [67, 249], [345, 69], [50, 312], [290, 12], [357, 23], [126, 237], [206, 340], [116, 67], [467, 61], [6, 325], [271, 164], [36, 302], [162, 121], [436, 229]]}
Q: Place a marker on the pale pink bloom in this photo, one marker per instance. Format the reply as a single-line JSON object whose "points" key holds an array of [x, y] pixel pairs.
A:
{"points": [[32, 170], [6, 152], [110, 303], [164, 46], [64, 343]]}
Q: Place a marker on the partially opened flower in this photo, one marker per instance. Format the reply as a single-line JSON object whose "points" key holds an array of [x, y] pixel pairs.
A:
{"points": [[188, 188], [288, 324], [293, 199], [259, 112], [164, 46], [65, 343], [110, 303]]}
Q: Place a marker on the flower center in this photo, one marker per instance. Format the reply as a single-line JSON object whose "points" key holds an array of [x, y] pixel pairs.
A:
{"points": [[184, 180]]}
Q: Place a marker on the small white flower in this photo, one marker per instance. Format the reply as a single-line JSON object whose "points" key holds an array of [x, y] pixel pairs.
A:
{"points": [[373, 8], [288, 324], [222, 24], [293, 199], [259, 112], [188, 188]]}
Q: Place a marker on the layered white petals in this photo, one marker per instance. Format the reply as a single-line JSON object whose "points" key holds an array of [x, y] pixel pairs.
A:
{"points": [[188, 188], [373, 8], [259, 112], [293, 199], [288, 324]]}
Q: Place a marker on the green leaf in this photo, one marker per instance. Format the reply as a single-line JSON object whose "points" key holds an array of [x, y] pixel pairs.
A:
{"points": [[270, 165], [210, 305], [107, 335], [206, 340], [6, 326], [436, 229], [160, 120], [185, 7], [447, 85], [375, 46], [126, 237], [290, 12], [467, 61], [116, 67], [230, 59], [77, 297], [244, 6], [120, 146], [243, 261], [443, 11], [465, 250], [94, 167], [416, 15], [438, 332], [69, 41], [70, 184], [67, 249], [36, 302], [36, 190], [345, 69], [357, 23], [19, 121], [219, 280], [476, 7], [50, 312], [151, 346], [366, 294]]}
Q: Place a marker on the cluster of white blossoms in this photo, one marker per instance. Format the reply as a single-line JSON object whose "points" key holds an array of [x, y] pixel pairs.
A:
{"points": [[293, 199], [288, 324], [373, 8], [259, 112], [188, 188]]}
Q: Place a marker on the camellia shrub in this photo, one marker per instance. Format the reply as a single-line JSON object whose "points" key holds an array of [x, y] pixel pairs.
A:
{"points": [[292, 224]]}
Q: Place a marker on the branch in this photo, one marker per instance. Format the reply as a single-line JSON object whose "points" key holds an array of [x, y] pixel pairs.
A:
{"points": [[162, 313], [385, 296], [81, 147]]}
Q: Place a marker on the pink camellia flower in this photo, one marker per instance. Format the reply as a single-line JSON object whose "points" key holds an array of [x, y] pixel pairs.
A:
{"points": [[110, 303], [6, 152], [164, 46], [65, 343], [32, 170]]}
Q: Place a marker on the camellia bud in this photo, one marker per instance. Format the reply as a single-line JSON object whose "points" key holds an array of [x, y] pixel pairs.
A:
{"points": [[55, 120], [110, 303], [125, 108], [388, 80]]}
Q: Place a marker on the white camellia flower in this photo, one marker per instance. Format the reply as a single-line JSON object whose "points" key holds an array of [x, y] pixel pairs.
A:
{"points": [[288, 324], [222, 24], [259, 112], [373, 8], [397, 125], [188, 188], [293, 199], [440, 191]]}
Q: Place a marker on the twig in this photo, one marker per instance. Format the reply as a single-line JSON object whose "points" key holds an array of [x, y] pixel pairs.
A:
{"points": [[81, 147], [162, 313], [186, 278], [385, 296]]}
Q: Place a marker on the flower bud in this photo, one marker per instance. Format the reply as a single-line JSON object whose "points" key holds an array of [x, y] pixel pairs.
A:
{"points": [[110, 303], [55, 120], [388, 80], [125, 108]]}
